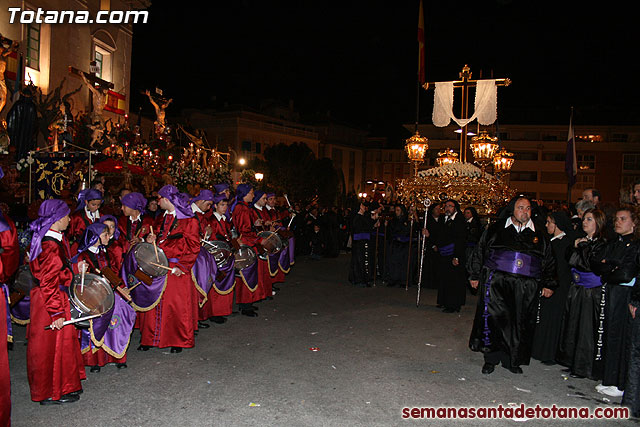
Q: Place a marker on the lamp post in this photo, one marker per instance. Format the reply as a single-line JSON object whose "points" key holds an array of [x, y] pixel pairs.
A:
{"points": [[416, 147]]}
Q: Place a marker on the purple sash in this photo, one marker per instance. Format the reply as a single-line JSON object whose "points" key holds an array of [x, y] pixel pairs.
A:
{"points": [[292, 251], [272, 263], [21, 312], [4, 225], [586, 279], [362, 236], [119, 328], [284, 261], [515, 263], [144, 297], [4, 292], [446, 250], [204, 271], [250, 276], [226, 285]]}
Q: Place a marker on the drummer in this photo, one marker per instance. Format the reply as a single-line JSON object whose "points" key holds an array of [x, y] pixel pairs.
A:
{"points": [[54, 361], [87, 212], [92, 250], [218, 304], [134, 225], [264, 224], [223, 188], [115, 247], [201, 208], [9, 259], [171, 322], [244, 219]]}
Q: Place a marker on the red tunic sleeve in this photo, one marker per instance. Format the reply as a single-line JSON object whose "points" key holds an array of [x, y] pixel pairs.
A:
{"points": [[51, 272], [10, 256]]}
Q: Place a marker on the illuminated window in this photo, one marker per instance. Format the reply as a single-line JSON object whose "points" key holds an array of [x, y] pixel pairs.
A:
{"points": [[99, 59], [33, 46], [589, 138], [102, 57], [586, 161]]}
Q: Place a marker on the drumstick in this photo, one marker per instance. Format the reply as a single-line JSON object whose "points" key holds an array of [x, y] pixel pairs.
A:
{"points": [[134, 286], [155, 247], [82, 281], [72, 321], [161, 266]]}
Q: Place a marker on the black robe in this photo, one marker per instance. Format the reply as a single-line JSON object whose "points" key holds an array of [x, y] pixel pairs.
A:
{"points": [[361, 269], [452, 280], [510, 300], [580, 346], [631, 396], [620, 266], [431, 257], [549, 324], [398, 252]]}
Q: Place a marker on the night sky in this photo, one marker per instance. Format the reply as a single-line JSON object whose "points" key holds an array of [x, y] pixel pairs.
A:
{"points": [[358, 60]]}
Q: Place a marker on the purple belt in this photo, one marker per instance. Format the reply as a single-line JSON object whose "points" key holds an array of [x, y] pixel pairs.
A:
{"points": [[447, 250], [515, 263], [362, 236], [586, 279]]}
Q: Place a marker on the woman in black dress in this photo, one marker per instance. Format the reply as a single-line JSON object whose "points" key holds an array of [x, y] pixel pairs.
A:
{"points": [[581, 340]]}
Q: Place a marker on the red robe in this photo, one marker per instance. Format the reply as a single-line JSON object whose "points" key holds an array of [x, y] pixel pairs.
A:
{"points": [[128, 230], [95, 356], [264, 276], [54, 360], [9, 259], [243, 218], [171, 322], [218, 304]]}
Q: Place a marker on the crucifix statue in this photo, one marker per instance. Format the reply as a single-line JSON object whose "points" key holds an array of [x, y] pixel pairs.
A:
{"points": [[6, 48], [160, 106], [465, 83], [98, 88]]}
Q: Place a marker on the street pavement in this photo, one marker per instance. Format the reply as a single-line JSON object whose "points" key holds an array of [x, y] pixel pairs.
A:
{"points": [[375, 354]]}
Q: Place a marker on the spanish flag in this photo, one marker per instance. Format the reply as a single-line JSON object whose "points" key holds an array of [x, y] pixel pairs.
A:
{"points": [[421, 59]]}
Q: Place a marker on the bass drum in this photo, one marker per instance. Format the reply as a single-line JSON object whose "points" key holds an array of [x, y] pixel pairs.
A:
{"points": [[220, 250], [145, 255], [245, 257], [93, 297]]}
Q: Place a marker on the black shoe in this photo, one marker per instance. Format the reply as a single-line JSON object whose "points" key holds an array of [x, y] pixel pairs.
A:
{"points": [[79, 392], [449, 310], [121, 365], [515, 370], [203, 325], [218, 319], [176, 349], [249, 313], [549, 362], [572, 375], [275, 288], [95, 368], [268, 298], [254, 308], [67, 398], [144, 347], [488, 368]]}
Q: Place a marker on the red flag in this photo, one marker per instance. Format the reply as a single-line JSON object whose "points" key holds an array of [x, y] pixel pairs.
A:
{"points": [[421, 60]]}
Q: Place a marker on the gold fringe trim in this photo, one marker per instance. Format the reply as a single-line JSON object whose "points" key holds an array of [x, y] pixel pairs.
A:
{"points": [[245, 282], [9, 338], [282, 268], [269, 267], [93, 337], [20, 322], [227, 292], [152, 306], [200, 290]]}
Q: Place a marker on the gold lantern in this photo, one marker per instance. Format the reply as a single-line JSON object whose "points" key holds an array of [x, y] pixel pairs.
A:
{"points": [[446, 157], [484, 148], [416, 147], [503, 161]]}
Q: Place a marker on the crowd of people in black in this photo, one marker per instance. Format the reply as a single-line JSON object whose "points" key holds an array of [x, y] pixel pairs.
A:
{"points": [[553, 283]]}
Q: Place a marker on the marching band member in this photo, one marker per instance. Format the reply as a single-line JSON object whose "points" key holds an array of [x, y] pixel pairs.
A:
{"points": [[54, 361], [220, 297], [87, 212], [262, 221], [170, 322], [115, 247], [244, 218], [201, 207], [9, 259], [133, 225]]}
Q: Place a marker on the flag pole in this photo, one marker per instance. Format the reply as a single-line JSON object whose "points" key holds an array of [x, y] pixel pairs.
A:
{"points": [[570, 160], [421, 62]]}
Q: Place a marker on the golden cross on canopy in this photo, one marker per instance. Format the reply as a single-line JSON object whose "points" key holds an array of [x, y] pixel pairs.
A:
{"points": [[465, 83]]}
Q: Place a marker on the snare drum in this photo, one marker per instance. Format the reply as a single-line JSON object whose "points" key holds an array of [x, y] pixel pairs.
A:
{"points": [[94, 297], [245, 257], [148, 263], [271, 242], [220, 250]]}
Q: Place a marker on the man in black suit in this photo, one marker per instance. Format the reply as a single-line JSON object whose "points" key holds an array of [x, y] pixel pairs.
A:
{"points": [[451, 246]]}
